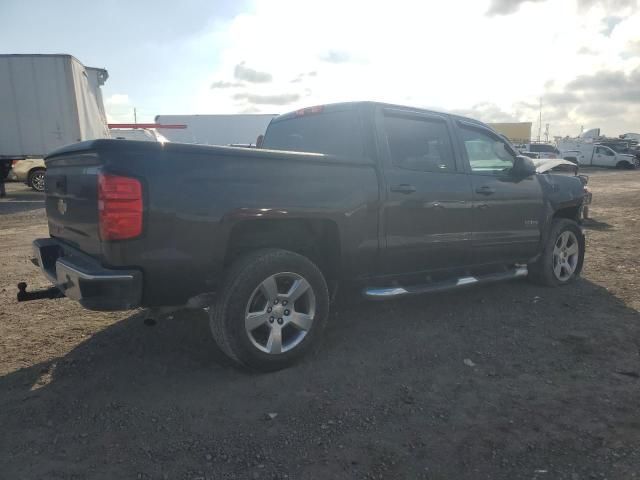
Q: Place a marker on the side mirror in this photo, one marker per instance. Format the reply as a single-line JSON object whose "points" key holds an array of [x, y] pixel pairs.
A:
{"points": [[523, 167]]}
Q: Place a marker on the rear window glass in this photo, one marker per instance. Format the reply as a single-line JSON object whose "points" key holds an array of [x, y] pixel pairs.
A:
{"points": [[543, 148], [334, 133]]}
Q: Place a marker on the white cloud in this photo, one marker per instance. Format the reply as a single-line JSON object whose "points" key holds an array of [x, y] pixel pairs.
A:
{"points": [[118, 108], [506, 7], [117, 99], [453, 57]]}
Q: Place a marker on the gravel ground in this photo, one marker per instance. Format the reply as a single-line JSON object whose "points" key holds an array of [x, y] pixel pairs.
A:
{"points": [[508, 381]]}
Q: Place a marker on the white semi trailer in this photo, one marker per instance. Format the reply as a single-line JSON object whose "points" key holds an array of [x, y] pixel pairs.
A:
{"points": [[48, 101]]}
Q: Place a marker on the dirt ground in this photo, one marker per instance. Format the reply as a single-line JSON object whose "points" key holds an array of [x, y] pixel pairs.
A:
{"points": [[509, 381]]}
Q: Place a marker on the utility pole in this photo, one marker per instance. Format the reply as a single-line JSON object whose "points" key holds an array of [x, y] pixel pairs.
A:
{"points": [[135, 115], [546, 133], [540, 121]]}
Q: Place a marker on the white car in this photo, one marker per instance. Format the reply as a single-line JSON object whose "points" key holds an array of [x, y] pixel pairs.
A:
{"points": [[30, 171]]}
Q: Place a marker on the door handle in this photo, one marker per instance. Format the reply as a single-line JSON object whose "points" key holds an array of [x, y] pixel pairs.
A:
{"points": [[485, 190], [403, 188]]}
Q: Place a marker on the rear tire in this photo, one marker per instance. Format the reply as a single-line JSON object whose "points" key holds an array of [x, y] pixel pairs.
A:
{"points": [[36, 179], [271, 311], [560, 262]]}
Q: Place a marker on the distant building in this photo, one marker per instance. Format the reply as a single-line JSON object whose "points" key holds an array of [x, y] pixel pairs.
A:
{"points": [[517, 132]]}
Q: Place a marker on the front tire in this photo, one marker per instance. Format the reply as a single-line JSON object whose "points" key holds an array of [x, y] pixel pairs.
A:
{"points": [[623, 165], [560, 262], [271, 311], [36, 179]]}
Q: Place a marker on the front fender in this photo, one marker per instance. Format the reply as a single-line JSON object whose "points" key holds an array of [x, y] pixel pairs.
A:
{"points": [[562, 195]]}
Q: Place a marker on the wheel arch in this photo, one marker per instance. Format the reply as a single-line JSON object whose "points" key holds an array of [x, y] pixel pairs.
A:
{"points": [[570, 213], [37, 167], [317, 239], [623, 164]]}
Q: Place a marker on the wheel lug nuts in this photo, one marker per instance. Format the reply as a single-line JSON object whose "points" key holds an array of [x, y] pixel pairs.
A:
{"points": [[269, 309], [280, 321], [271, 319], [287, 312], [275, 302], [284, 302]]}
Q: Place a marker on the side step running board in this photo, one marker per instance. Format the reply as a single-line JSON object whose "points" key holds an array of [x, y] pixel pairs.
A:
{"points": [[400, 291]]}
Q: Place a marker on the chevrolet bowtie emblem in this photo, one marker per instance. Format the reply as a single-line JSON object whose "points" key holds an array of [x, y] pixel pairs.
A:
{"points": [[62, 206]]}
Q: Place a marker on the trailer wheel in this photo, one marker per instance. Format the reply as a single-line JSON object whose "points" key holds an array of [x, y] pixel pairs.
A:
{"points": [[36, 179]]}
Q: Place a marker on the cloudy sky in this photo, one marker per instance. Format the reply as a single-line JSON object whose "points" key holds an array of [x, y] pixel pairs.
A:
{"points": [[489, 59]]}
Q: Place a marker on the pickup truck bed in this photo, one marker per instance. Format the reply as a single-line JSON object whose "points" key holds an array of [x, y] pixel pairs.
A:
{"points": [[192, 207]]}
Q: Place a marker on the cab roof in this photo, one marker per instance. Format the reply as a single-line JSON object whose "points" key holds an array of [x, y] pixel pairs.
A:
{"points": [[364, 104]]}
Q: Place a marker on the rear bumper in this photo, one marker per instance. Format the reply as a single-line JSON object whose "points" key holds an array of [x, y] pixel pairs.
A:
{"points": [[81, 278]]}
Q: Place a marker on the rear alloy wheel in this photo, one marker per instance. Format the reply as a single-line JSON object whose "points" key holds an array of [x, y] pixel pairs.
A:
{"points": [[280, 313], [36, 180], [271, 311]]}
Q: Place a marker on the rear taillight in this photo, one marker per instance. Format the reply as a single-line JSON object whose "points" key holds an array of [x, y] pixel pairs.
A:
{"points": [[119, 207]]}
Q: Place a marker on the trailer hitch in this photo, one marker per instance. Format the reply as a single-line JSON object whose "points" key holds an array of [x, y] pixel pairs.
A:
{"points": [[24, 296]]}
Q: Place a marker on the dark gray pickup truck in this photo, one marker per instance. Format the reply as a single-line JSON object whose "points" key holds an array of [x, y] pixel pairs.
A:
{"points": [[388, 199]]}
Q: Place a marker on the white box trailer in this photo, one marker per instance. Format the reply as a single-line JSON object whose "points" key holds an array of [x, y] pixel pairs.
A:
{"points": [[240, 129], [47, 101]]}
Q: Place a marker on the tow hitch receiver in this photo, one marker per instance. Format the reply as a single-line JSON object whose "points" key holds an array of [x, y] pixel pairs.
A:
{"points": [[24, 296]]}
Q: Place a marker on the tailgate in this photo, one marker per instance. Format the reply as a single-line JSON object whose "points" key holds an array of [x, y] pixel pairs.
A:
{"points": [[72, 200]]}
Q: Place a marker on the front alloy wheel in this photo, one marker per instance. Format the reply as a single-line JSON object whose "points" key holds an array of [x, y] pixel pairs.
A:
{"points": [[560, 261], [565, 255]]}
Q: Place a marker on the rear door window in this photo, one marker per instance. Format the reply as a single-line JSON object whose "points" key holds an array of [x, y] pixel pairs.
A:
{"points": [[332, 132], [419, 143]]}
